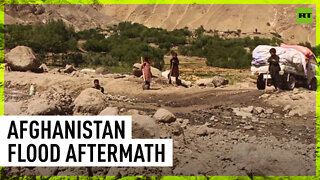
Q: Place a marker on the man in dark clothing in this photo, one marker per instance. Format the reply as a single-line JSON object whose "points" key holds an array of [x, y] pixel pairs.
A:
{"points": [[274, 69], [97, 85], [174, 68]]}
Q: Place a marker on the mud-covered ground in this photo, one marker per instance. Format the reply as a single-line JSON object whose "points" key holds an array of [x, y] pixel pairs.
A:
{"points": [[230, 130]]}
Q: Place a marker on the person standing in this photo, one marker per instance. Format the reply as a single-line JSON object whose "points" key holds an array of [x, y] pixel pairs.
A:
{"points": [[146, 72], [174, 68], [274, 69]]}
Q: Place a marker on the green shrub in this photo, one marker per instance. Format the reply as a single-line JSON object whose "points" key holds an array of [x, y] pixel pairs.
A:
{"points": [[225, 53], [90, 34], [124, 50], [53, 36]]}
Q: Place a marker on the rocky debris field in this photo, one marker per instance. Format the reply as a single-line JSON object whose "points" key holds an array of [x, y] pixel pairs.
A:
{"points": [[226, 130]]}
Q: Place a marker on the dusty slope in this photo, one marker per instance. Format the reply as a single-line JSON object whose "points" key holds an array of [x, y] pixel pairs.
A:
{"points": [[266, 18]]}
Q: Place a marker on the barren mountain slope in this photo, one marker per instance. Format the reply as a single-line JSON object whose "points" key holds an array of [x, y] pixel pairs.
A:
{"points": [[266, 18], [280, 19]]}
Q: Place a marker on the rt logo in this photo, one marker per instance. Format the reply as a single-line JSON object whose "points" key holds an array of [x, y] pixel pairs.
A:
{"points": [[304, 15]]}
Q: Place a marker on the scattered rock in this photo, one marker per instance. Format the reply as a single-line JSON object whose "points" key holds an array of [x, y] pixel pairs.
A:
{"points": [[173, 79], [90, 102], [22, 58], [186, 83], [185, 123], [46, 107], [254, 120], [243, 112], [177, 130], [163, 115], [88, 71], [134, 112], [69, 69], [144, 127], [215, 81], [205, 82], [110, 111], [219, 81], [50, 103], [44, 67], [264, 96], [101, 70], [287, 107], [204, 130], [258, 110], [262, 115], [292, 113], [269, 111], [248, 127]]}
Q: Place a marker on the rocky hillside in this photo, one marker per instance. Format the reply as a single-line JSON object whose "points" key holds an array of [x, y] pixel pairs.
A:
{"points": [[280, 19], [80, 16]]}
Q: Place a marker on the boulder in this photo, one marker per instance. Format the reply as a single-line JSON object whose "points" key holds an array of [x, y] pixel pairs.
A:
{"points": [[101, 70], [219, 81], [88, 71], [215, 81], [137, 72], [144, 127], [22, 58], [163, 115], [202, 131], [90, 102], [134, 112], [42, 107], [50, 103], [44, 67], [110, 111], [173, 79], [248, 127], [205, 82], [166, 73], [243, 112], [69, 69], [186, 83]]}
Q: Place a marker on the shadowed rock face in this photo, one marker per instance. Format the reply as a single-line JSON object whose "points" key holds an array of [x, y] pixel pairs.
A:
{"points": [[280, 19]]}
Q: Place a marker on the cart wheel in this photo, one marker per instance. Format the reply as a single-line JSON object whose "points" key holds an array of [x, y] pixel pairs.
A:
{"points": [[261, 84], [291, 83], [313, 84]]}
